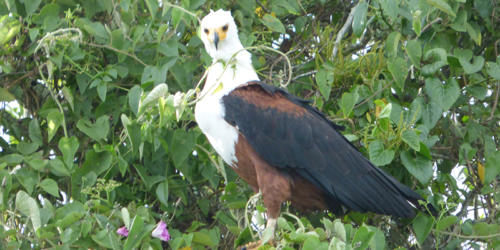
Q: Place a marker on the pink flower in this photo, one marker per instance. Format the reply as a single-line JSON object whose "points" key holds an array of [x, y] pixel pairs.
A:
{"points": [[123, 231], [161, 231]]}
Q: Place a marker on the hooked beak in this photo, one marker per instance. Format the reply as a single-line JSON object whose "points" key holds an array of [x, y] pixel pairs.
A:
{"points": [[216, 39]]}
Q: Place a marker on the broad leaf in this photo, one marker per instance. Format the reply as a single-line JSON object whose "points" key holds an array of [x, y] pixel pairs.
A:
{"points": [[50, 186], [444, 94], [411, 138], [162, 192], [98, 130], [414, 51], [418, 166], [324, 79], [68, 147], [29, 207], [359, 18], [380, 156], [422, 226], [347, 102], [399, 70], [273, 23]]}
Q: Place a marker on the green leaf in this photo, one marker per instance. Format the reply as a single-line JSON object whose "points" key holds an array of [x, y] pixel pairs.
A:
{"points": [[158, 91], [380, 156], [95, 29], [182, 146], [126, 217], [418, 166], [391, 44], [134, 97], [443, 6], [311, 244], [56, 167], [492, 167], [98, 130], [102, 89], [385, 112], [162, 192], [446, 222], [35, 132], [68, 147], [411, 138], [431, 113], [12, 159], [439, 58], [339, 230], [378, 239], [390, 8], [244, 237], [460, 22], [347, 102], [324, 79], [414, 51], [50, 186], [27, 148], [464, 56], [69, 97], [422, 226], [417, 23], [399, 71], [359, 18], [133, 130], [54, 121], [474, 33], [9, 28], [445, 95], [273, 23], [29, 207], [6, 96], [363, 236], [106, 239], [152, 7], [134, 234], [493, 70]]}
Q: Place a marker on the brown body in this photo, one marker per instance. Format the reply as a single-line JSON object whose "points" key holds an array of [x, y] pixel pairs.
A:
{"points": [[276, 187]]}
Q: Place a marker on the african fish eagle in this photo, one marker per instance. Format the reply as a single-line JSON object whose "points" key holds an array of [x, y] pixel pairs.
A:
{"points": [[279, 144]]}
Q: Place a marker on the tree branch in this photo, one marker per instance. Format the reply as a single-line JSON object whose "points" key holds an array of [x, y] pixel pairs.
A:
{"points": [[342, 32]]}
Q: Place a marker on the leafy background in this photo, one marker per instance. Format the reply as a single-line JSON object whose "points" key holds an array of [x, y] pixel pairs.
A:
{"points": [[93, 141]]}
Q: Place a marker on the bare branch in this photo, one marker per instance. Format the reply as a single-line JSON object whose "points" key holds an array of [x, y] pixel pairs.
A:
{"points": [[342, 32]]}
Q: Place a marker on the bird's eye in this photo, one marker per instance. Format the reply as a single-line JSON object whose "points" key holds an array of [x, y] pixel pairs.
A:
{"points": [[206, 31], [224, 28]]}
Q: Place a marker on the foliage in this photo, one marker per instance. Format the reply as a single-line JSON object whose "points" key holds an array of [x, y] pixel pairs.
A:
{"points": [[97, 141]]}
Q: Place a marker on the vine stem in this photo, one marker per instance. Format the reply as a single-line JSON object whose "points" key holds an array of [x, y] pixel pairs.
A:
{"points": [[490, 236], [52, 94]]}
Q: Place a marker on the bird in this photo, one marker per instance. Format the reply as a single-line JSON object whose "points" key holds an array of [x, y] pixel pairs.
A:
{"points": [[282, 146]]}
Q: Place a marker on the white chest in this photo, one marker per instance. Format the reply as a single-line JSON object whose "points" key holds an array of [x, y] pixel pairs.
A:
{"points": [[210, 112]]}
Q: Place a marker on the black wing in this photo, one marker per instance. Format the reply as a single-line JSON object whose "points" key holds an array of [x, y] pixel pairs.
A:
{"points": [[290, 134]]}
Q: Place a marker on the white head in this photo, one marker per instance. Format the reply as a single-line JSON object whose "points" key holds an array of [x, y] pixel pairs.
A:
{"points": [[220, 34]]}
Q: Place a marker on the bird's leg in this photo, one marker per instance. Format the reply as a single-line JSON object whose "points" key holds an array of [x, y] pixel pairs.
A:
{"points": [[268, 235]]}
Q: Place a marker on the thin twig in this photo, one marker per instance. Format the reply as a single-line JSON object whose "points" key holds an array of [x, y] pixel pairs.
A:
{"points": [[431, 23], [182, 9], [116, 50], [29, 74], [262, 6], [495, 103], [373, 95], [342, 32], [304, 75], [491, 236]]}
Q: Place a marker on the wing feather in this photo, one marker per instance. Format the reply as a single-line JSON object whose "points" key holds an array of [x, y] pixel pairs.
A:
{"points": [[291, 135]]}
